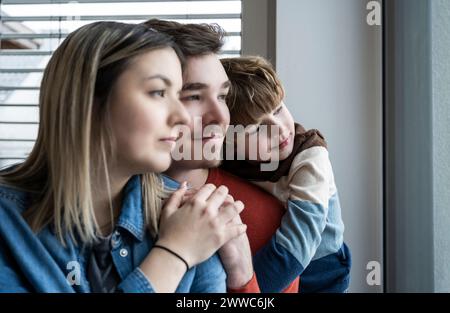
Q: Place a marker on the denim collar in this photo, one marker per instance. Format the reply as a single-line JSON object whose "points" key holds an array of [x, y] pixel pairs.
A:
{"points": [[131, 216], [170, 183]]}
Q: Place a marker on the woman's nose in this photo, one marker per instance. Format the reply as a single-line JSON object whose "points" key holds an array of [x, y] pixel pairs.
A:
{"points": [[179, 114]]}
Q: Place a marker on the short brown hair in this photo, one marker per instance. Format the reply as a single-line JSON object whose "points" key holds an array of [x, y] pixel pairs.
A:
{"points": [[193, 39], [255, 88]]}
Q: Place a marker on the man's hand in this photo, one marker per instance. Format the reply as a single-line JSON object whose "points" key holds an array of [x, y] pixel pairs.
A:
{"points": [[236, 255]]}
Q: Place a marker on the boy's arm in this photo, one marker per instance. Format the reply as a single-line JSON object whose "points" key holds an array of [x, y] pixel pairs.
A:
{"points": [[295, 242]]}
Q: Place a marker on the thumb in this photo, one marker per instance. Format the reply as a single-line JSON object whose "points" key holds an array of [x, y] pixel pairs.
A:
{"points": [[174, 201]]}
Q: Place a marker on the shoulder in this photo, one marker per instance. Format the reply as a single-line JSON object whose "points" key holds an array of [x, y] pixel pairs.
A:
{"points": [[239, 188], [305, 139], [218, 176], [316, 156], [11, 198]]}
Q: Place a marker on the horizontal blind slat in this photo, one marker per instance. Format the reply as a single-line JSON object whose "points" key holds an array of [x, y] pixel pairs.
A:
{"points": [[63, 35], [21, 2], [14, 52], [119, 17]]}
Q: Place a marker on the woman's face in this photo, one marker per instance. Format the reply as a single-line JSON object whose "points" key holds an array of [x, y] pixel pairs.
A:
{"points": [[146, 112]]}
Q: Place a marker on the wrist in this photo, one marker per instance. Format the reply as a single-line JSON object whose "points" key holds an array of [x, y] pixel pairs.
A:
{"points": [[170, 260], [239, 276], [173, 253], [174, 250]]}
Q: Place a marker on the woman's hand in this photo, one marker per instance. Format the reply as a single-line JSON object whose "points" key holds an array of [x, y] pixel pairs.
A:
{"points": [[196, 227], [235, 254]]}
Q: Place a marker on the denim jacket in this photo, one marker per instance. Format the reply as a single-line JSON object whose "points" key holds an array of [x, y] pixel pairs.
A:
{"points": [[31, 262]]}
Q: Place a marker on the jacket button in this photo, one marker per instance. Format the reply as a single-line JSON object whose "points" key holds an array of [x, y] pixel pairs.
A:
{"points": [[123, 252]]}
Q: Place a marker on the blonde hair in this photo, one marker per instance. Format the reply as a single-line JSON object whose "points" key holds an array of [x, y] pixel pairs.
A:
{"points": [[74, 138], [255, 88]]}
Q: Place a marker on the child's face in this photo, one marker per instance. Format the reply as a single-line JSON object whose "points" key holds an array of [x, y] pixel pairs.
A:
{"points": [[273, 143]]}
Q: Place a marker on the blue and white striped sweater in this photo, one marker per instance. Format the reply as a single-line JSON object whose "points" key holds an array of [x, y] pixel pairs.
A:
{"points": [[311, 231]]}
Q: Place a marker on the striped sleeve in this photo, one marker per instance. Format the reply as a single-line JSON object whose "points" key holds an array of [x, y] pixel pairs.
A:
{"points": [[309, 194], [295, 242]]}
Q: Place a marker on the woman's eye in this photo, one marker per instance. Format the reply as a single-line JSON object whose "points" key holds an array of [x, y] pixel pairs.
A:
{"points": [[158, 93], [222, 97]]}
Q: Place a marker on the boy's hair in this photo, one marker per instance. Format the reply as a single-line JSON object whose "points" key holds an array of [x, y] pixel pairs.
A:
{"points": [[192, 39], [255, 89]]}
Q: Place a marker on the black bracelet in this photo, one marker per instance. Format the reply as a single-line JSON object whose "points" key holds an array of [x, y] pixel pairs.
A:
{"points": [[175, 254]]}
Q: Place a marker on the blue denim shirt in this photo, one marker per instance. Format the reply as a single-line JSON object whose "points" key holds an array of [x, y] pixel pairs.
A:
{"points": [[32, 262]]}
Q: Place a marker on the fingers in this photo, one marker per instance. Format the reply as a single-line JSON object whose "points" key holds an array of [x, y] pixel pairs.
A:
{"points": [[217, 198], [229, 212], [229, 199], [234, 231], [239, 205], [174, 201], [209, 198], [204, 193], [188, 195], [191, 191]]}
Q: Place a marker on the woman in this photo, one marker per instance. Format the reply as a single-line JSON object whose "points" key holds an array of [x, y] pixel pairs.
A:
{"points": [[83, 212]]}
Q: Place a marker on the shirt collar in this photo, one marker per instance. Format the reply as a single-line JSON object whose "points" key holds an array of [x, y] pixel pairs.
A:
{"points": [[170, 183], [131, 216]]}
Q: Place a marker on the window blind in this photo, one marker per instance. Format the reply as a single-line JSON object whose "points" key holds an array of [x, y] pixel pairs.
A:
{"points": [[30, 30]]}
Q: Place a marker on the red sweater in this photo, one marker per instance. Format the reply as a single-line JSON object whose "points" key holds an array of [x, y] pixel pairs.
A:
{"points": [[262, 214]]}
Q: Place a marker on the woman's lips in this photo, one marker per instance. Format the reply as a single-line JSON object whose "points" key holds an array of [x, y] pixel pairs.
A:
{"points": [[170, 141]]}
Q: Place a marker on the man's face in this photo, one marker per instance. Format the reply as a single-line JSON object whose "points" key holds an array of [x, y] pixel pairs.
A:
{"points": [[205, 86]]}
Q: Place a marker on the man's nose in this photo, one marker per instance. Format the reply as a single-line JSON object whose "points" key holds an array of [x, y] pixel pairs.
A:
{"points": [[216, 113]]}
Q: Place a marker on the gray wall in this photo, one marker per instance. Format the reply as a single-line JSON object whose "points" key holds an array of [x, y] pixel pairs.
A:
{"points": [[258, 28], [441, 145], [329, 60]]}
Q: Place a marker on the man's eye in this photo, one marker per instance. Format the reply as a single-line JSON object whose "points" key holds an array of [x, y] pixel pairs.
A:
{"points": [[191, 98], [158, 93]]}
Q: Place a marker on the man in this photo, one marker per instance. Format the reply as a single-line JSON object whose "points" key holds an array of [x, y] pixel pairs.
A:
{"points": [[205, 86]]}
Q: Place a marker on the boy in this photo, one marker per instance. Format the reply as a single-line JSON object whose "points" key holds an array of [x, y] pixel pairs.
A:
{"points": [[312, 228]]}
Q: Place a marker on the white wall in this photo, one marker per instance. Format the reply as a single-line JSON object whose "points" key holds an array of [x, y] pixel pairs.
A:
{"points": [[329, 60]]}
